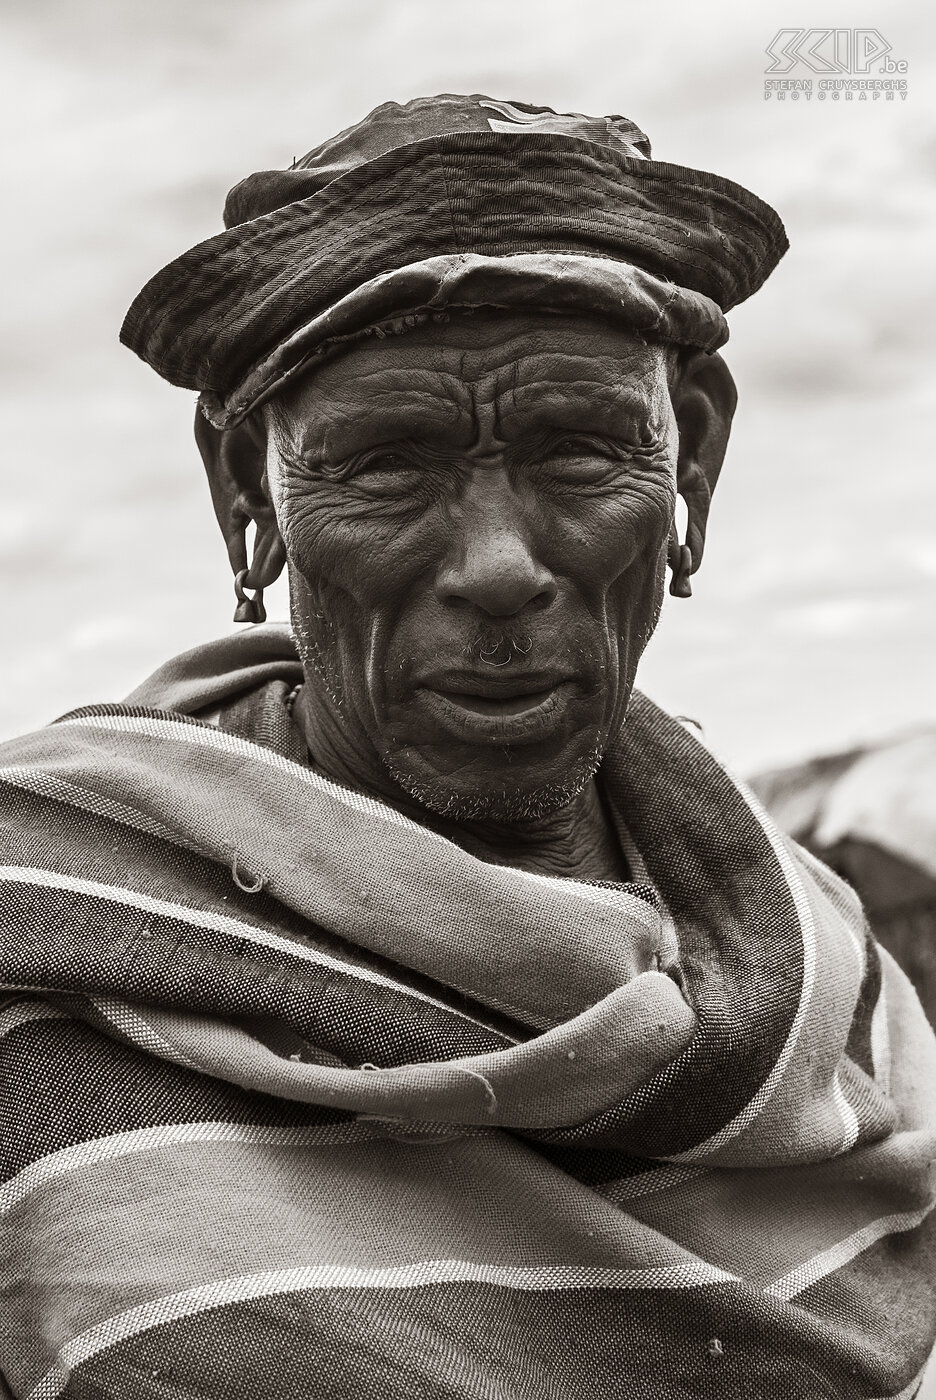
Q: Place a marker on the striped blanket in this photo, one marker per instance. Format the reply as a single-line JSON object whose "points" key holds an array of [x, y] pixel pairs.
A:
{"points": [[301, 1100]]}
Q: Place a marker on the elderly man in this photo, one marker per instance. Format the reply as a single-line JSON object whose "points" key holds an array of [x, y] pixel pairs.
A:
{"points": [[427, 1014]]}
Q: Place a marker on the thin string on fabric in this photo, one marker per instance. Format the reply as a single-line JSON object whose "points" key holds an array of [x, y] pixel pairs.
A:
{"points": [[475, 1074], [250, 884]]}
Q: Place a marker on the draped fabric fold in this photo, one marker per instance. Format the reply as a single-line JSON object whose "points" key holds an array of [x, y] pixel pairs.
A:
{"points": [[301, 1098]]}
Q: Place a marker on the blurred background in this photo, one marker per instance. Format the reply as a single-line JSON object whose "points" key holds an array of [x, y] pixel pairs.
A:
{"points": [[813, 621]]}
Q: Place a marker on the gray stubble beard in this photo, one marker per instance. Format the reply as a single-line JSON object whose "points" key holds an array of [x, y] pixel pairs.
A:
{"points": [[501, 804]]}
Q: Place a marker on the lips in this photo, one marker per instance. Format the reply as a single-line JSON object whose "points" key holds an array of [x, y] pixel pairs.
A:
{"points": [[502, 705], [499, 708]]}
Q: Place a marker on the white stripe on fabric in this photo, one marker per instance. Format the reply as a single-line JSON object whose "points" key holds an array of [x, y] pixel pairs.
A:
{"points": [[765, 1093], [880, 1036], [838, 1255], [21, 1013], [849, 1117], [219, 923], [425, 1273], [83, 1155], [641, 876], [48, 785], [208, 737], [826, 876], [621, 899], [134, 1026], [629, 1188]]}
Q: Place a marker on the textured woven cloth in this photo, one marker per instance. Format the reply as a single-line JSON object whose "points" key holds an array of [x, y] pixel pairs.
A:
{"points": [[449, 202], [299, 1098]]}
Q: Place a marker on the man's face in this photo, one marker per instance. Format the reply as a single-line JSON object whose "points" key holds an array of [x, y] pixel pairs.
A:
{"points": [[476, 514]]}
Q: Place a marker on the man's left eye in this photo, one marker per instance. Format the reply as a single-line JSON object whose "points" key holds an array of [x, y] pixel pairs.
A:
{"points": [[579, 445], [578, 459]]}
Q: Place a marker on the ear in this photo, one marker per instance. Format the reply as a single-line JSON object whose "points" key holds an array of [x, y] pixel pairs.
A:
{"points": [[704, 398], [235, 461]]}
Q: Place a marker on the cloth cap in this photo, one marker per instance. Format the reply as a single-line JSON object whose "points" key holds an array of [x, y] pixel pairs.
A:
{"points": [[449, 202]]}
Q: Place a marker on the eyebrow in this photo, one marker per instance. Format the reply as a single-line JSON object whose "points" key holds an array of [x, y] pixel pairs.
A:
{"points": [[448, 410], [410, 413]]}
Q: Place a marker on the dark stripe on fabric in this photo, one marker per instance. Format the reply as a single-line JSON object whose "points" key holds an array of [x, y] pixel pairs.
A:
{"points": [[473, 1341], [594, 1166], [893, 1337], [740, 944], [150, 957], [81, 1085], [44, 831], [146, 955]]}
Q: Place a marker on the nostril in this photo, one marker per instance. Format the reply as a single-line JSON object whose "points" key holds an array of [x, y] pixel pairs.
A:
{"points": [[500, 597], [496, 571], [543, 598]]}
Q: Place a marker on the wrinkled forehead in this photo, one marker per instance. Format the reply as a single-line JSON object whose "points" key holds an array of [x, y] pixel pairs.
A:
{"points": [[500, 372]]}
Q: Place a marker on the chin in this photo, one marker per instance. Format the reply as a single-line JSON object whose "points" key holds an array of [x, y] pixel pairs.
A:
{"points": [[497, 800]]}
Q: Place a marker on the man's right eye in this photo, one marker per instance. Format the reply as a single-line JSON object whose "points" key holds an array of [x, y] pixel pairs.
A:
{"points": [[384, 473], [383, 462]]}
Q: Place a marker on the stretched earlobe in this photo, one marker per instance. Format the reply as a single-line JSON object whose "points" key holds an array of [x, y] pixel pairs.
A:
{"points": [[235, 462], [704, 399]]}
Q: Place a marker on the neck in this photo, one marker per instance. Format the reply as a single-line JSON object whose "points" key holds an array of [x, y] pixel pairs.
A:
{"points": [[576, 841]]}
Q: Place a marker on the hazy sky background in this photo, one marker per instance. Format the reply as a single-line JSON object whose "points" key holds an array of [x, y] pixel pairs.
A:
{"points": [[128, 120]]}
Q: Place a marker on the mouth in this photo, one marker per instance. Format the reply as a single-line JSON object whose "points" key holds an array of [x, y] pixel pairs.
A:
{"points": [[487, 705], [495, 708]]}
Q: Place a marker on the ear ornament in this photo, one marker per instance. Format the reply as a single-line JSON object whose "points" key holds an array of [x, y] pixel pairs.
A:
{"points": [[681, 563], [248, 609]]}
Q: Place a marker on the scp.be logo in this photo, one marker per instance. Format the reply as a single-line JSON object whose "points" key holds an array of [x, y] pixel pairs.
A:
{"points": [[827, 51]]}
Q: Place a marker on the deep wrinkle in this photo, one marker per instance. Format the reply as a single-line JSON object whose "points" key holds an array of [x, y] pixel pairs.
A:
{"points": [[495, 477]]}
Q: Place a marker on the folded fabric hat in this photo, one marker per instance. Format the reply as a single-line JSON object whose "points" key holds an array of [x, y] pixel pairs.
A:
{"points": [[449, 202]]}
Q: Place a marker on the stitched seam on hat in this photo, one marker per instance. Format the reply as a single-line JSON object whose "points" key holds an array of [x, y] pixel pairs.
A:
{"points": [[260, 238], [448, 201]]}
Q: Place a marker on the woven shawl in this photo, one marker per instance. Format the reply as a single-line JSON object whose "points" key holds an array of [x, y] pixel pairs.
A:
{"points": [[301, 1099]]}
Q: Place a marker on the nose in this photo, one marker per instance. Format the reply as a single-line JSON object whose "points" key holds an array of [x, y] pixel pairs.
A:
{"points": [[491, 563]]}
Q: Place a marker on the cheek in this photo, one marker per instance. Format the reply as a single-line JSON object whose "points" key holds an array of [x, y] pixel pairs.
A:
{"points": [[356, 549], [355, 570], [618, 545], [632, 552]]}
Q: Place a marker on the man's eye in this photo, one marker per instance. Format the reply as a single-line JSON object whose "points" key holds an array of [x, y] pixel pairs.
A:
{"points": [[578, 460], [383, 462], [384, 474], [578, 445]]}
